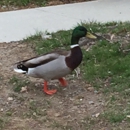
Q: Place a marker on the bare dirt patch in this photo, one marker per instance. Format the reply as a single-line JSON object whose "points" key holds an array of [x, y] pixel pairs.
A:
{"points": [[71, 108]]}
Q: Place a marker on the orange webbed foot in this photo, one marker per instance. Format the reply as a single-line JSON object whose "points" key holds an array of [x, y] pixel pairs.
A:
{"points": [[63, 82], [49, 92]]}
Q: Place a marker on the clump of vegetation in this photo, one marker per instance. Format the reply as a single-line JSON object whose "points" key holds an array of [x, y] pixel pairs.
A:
{"points": [[18, 83]]}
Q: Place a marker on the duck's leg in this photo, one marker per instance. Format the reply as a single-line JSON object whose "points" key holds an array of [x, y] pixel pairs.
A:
{"points": [[63, 81], [45, 89]]}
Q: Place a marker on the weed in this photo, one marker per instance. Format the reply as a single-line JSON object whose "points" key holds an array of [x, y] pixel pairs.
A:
{"points": [[18, 83]]}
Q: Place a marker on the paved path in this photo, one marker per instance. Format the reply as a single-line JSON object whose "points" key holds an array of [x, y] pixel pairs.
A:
{"points": [[16, 25]]}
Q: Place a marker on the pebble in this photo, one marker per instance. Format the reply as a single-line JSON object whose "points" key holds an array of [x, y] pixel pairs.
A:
{"points": [[91, 102], [57, 114], [96, 92], [97, 114], [34, 114], [128, 116], [81, 99], [1, 109], [10, 99], [91, 89], [60, 102]]}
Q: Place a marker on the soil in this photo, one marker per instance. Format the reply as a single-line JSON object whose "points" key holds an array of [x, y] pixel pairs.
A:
{"points": [[4, 8], [71, 107]]}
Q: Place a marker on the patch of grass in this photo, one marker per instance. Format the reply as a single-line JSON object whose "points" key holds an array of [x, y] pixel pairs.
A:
{"points": [[115, 117], [110, 27], [18, 83], [23, 2], [59, 40], [9, 113], [100, 61]]}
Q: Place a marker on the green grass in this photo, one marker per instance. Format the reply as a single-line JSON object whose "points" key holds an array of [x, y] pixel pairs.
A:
{"points": [[104, 66], [115, 117]]}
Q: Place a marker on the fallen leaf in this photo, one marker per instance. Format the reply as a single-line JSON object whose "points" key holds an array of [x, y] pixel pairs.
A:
{"points": [[23, 89], [96, 115]]}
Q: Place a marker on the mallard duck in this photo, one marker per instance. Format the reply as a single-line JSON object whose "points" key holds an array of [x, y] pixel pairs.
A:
{"points": [[56, 64]]}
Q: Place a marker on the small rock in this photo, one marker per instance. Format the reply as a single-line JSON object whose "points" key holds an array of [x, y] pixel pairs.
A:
{"points": [[96, 92], [57, 114], [128, 116], [91, 102], [34, 114], [91, 89], [10, 99], [96, 115], [93, 115], [60, 102], [80, 99], [38, 84], [1, 109]]}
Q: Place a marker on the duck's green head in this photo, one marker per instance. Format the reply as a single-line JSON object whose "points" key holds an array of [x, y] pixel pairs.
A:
{"points": [[80, 32]]}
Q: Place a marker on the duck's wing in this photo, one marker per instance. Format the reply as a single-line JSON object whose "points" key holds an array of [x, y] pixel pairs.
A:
{"points": [[22, 66]]}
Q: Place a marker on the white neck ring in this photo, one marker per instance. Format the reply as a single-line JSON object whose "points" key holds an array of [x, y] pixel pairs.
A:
{"points": [[73, 46]]}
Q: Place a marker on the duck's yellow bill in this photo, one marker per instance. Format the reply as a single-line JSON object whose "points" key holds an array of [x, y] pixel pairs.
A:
{"points": [[91, 36]]}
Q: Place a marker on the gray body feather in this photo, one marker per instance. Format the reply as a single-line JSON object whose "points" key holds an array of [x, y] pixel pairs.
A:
{"points": [[48, 66]]}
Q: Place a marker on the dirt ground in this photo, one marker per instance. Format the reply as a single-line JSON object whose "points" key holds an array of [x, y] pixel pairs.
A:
{"points": [[70, 108]]}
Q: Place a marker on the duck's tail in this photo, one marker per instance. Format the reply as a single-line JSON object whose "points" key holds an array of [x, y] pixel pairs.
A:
{"points": [[20, 68]]}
